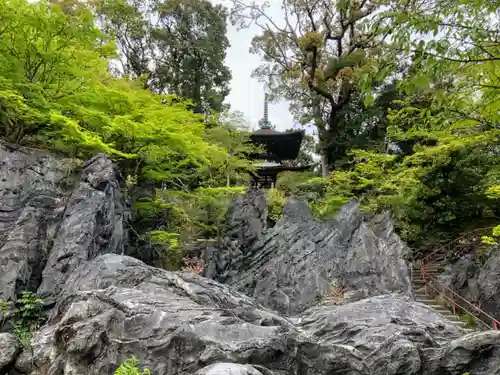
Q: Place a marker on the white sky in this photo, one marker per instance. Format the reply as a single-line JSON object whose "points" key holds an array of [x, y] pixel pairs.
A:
{"points": [[247, 94]]}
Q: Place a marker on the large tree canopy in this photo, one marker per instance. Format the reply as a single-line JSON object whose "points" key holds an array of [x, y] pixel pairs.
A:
{"points": [[405, 98], [178, 47], [57, 93], [315, 57]]}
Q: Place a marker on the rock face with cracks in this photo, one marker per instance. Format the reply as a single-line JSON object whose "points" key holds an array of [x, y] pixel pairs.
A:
{"points": [[53, 219], [180, 323], [65, 239], [476, 277], [301, 261]]}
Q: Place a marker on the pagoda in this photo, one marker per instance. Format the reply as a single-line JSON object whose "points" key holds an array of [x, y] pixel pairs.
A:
{"points": [[277, 147]]}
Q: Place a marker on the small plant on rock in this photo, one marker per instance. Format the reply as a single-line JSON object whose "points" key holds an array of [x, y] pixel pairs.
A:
{"points": [[28, 317], [276, 202], [335, 295], [131, 367], [194, 265]]}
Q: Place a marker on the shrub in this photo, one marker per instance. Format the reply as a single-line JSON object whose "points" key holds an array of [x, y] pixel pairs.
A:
{"points": [[28, 317], [131, 367], [275, 204]]}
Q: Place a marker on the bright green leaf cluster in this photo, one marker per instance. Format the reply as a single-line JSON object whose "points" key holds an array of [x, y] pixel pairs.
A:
{"points": [[131, 367]]}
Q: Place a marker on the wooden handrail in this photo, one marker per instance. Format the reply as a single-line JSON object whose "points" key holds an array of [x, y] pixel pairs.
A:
{"points": [[495, 323], [426, 258]]}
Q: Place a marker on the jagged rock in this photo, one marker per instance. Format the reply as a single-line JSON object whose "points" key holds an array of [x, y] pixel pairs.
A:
{"points": [[180, 323], [176, 323], [24, 362], [230, 369], [52, 220], [299, 261], [477, 279], [476, 353], [397, 336], [93, 224], [245, 225], [9, 348], [109, 307], [31, 204]]}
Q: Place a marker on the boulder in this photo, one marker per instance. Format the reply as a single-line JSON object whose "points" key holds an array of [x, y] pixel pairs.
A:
{"points": [[230, 369], [115, 306], [301, 261], [54, 215], [93, 224], [9, 348], [32, 202], [477, 279]]}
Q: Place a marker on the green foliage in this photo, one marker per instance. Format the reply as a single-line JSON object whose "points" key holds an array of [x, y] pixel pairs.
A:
{"points": [[28, 316], [288, 181], [172, 46], [469, 320], [275, 203], [180, 218], [231, 134], [323, 196], [57, 93], [131, 366]]}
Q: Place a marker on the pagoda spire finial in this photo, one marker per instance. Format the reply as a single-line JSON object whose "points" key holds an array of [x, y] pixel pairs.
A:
{"points": [[264, 122]]}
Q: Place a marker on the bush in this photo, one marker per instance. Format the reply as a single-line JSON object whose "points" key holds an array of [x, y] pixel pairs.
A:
{"points": [[131, 367], [173, 220], [275, 203], [28, 317]]}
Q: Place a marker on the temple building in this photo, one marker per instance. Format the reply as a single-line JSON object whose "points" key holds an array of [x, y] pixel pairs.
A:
{"points": [[277, 147]]}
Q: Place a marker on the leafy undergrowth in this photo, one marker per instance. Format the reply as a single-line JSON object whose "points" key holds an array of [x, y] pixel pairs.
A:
{"points": [[131, 366]]}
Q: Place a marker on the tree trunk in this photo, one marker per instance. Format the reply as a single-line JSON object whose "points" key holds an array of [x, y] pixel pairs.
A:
{"points": [[323, 149], [325, 169]]}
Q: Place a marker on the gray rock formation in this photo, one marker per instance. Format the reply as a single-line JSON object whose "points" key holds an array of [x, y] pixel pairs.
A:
{"points": [[230, 369], [93, 224], [116, 306], [301, 261], [53, 219], [476, 277], [9, 348], [63, 233], [180, 323]]}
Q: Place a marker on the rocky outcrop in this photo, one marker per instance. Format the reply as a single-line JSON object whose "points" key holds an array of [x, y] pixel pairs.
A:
{"points": [[53, 218], [9, 348], [476, 277], [301, 261], [180, 323], [65, 238]]}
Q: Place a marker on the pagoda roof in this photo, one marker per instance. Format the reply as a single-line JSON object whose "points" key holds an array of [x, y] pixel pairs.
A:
{"points": [[277, 145]]}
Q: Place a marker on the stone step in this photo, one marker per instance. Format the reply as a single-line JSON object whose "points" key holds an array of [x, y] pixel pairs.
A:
{"points": [[426, 301], [432, 267], [444, 311]]}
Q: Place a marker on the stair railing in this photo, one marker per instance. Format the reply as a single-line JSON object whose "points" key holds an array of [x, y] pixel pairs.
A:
{"points": [[431, 258], [453, 298]]}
